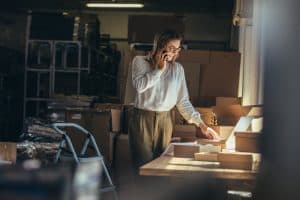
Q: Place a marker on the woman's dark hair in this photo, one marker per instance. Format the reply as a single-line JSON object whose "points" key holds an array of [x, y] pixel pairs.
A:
{"points": [[161, 39]]}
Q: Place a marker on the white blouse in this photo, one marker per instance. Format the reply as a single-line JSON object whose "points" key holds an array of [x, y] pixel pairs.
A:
{"points": [[161, 90]]}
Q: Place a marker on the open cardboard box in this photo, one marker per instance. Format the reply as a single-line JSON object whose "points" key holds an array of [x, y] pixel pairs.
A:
{"points": [[224, 132], [230, 115], [228, 139]]}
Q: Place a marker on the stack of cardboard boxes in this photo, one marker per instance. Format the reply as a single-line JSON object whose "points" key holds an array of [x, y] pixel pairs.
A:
{"points": [[229, 115]]}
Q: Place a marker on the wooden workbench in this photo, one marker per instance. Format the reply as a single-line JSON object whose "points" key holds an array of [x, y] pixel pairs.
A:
{"points": [[174, 166]]}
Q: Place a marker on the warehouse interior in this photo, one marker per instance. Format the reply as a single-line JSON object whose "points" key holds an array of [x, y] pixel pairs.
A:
{"points": [[67, 99]]}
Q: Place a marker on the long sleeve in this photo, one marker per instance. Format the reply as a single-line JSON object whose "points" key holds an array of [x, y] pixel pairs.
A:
{"points": [[142, 77], [183, 103]]}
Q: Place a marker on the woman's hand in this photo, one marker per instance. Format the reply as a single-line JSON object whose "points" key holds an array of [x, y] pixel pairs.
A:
{"points": [[209, 132], [161, 59]]}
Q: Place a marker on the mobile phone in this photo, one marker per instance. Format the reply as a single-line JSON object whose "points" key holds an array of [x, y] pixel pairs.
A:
{"points": [[166, 58]]}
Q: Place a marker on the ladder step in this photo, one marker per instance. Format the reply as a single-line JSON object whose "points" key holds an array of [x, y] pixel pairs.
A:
{"points": [[90, 159], [108, 189]]}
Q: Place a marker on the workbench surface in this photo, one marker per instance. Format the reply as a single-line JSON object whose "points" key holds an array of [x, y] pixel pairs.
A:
{"points": [[174, 166]]}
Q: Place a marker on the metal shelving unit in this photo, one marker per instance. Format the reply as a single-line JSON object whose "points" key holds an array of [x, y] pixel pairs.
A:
{"points": [[44, 61]]}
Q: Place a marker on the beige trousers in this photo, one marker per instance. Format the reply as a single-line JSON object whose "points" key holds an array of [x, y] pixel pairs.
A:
{"points": [[149, 134]]}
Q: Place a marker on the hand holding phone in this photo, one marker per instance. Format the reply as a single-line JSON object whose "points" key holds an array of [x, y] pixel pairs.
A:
{"points": [[162, 59]]}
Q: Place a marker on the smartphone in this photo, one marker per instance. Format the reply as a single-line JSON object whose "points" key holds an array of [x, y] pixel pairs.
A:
{"points": [[165, 51]]}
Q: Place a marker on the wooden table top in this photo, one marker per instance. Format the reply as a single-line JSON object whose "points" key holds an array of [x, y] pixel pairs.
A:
{"points": [[174, 166]]}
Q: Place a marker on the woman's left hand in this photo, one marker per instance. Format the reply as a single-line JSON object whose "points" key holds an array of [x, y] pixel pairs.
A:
{"points": [[212, 134], [208, 132]]}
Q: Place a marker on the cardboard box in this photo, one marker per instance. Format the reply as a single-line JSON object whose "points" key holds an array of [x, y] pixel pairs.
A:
{"points": [[257, 124], [256, 111], [81, 117], [219, 143], [247, 141], [227, 101], [208, 116], [8, 151], [98, 123], [235, 160], [206, 101], [188, 139], [224, 131], [221, 76], [230, 115], [184, 131], [126, 115], [191, 61], [116, 114], [100, 128], [206, 156], [194, 56], [188, 150], [122, 165], [242, 125]]}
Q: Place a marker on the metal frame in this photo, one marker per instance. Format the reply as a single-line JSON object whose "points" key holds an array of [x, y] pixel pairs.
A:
{"points": [[88, 139], [53, 69]]}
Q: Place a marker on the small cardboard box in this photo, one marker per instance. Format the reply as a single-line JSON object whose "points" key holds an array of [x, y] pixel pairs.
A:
{"points": [[184, 131], [188, 139], [206, 156], [220, 143], [188, 150], [8, 151], [227, 101], [237, 160], [247, 141]]}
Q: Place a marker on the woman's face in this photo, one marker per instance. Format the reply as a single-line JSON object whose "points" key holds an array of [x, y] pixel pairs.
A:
{"points": [[172, 48]]}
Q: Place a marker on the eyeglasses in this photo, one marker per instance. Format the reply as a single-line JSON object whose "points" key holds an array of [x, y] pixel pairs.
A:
{"points": [[174, 49]]}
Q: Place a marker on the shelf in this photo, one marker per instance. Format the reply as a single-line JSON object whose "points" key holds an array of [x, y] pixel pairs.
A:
{"points": [[38, 99], [37, 69]]}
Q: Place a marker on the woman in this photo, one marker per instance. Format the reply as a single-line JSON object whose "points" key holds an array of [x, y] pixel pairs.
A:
{"points": [[160, 85]]}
